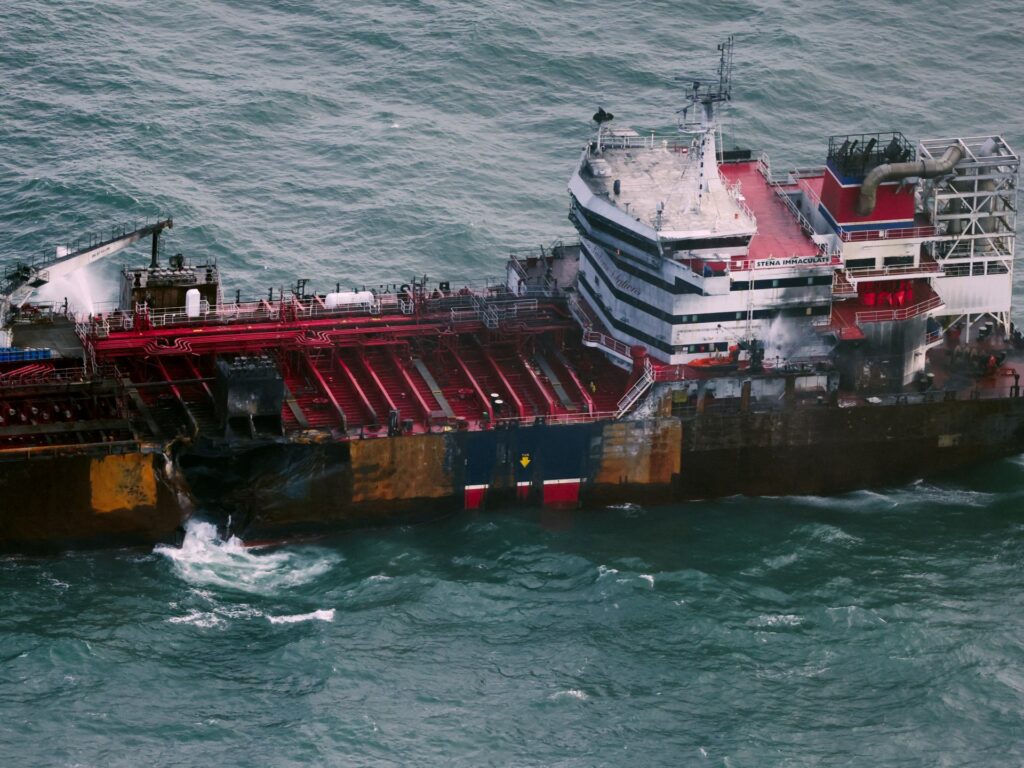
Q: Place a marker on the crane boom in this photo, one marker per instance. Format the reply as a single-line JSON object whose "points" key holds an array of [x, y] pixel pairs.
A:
{"points": [[19, 282]]}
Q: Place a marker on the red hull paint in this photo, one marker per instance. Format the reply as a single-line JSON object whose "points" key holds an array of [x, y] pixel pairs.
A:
{"points": [[474, 496], [562, 492]]}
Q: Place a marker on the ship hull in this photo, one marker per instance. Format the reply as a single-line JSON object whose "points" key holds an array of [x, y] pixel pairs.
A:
{"points": [[90, 498], [277, 489]]}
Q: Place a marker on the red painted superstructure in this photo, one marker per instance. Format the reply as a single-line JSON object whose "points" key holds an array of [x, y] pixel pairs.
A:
{"points": [[894, 206]]}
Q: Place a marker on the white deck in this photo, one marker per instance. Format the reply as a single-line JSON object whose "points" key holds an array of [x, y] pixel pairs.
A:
{"points": [[666, 174]]}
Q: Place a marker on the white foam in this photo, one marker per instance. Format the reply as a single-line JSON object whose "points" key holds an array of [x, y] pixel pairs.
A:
{"points": [[604, 570], [572, 693], [781, 561], [324, 614], [205, 619], [648, 578], [777, 620], [205, 559]]}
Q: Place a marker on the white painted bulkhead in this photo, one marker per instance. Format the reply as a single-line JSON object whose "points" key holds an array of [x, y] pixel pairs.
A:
{"points": [[639, 312]]}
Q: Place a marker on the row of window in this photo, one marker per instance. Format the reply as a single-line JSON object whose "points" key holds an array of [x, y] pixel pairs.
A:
{"points": [[975, 269]]}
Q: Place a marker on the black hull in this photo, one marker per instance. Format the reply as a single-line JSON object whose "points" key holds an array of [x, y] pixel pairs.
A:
{"points": [[276, 489]]}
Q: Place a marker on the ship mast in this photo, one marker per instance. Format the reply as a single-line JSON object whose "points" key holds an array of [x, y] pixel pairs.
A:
{"points": [[705, 94]]}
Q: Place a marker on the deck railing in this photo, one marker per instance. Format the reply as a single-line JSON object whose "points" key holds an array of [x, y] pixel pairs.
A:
{"points": [[561, 418], [887, 315], [592, 338], [638, 390], [862, 235], [861, 273]]}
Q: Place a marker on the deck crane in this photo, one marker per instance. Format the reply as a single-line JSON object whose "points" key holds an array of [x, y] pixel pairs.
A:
{"points": [[19, 282]]}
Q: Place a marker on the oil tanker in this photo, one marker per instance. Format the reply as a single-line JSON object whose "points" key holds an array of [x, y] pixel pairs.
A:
{"points": [[717, 328]]}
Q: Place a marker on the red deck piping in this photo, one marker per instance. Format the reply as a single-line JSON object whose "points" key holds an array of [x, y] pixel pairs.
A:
{"points": [[376, 380], [520, 407], [322, 383], [476, 386], [579, 384], [407, 378], [177, 393], [196, 374], [370, 411], [552, 409]]}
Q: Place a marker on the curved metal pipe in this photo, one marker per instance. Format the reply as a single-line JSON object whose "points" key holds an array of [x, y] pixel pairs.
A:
{"points": [[925, 169]]}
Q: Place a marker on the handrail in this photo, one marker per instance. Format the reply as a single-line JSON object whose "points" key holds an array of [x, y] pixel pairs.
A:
{"points": [[638, 390], [592, 338], [860, 273], [886, 315], [561, 418], [805, 225], [861, 235], [735, 192]]}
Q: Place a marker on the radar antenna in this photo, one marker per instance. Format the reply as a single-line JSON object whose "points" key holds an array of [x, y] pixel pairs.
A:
{"points": [[708, 91], [705, 93]]}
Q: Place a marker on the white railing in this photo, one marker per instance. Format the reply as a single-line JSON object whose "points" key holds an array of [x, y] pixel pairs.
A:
{"points": [[736, 193], [618, 141], [596, 339], [887, 315], [862, 273], [638, 390], [805, 225]]}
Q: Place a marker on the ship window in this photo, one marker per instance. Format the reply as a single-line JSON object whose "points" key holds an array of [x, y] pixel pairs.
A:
{"points": [[809, 310], [978, 268], [860, 264], [898, 261], [810, 281], [721, 346], [775, 283], [997, 268], [739, 315]]}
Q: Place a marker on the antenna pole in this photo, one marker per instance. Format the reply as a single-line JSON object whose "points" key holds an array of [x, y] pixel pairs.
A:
{"points": [[706, 93]]}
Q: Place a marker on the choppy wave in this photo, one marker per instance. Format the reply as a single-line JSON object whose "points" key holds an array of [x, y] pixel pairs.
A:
{"points": [[323, 614], [207, 560], [368, 142]]}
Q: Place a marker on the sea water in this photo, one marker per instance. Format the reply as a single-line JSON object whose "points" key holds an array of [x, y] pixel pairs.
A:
{"points": [[367, 143]]}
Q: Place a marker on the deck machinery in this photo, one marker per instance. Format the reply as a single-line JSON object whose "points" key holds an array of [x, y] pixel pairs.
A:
{"points": [[718, 328]]}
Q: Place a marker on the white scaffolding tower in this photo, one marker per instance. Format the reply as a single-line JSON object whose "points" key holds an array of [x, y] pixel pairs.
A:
{"points": [[974, 210]]}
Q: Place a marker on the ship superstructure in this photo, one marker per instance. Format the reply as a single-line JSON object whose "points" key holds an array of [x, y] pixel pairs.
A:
{"points": [[696, 253], [718, 328], [685, 249]]}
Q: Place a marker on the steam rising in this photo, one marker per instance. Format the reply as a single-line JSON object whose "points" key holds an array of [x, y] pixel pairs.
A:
{"points": [[788, 340]]}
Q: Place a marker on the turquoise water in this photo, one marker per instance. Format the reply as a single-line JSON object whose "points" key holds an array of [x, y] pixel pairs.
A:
{"points": [[370, 143]]}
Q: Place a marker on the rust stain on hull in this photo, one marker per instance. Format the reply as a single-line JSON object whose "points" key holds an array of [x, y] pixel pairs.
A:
{"points": [[122, 482], [401, 468], [635, 461], [91, 499], [639, 452]]}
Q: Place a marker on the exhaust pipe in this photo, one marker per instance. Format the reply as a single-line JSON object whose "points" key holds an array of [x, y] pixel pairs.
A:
{"points": [[925, 169]]}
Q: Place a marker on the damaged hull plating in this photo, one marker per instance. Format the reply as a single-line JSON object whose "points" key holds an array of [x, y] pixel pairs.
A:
{"points": [[279, 487]]}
